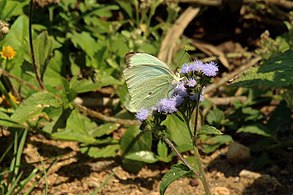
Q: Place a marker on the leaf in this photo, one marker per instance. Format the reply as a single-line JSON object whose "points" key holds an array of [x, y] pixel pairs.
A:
{"points": [[134, 141], [33, 106], [43, 47], [210, 144], [143, 156], [275, 72], [104, 129], [163, 152], [206, 129], [77, 129], [9, 8], [179, 133], [255, 129], [86, 85], [85, 41], [215, 116], [5, 121], [101, 152], [176, 172]]}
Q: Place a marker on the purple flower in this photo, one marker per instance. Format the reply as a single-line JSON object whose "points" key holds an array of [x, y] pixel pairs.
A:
{"points": [[181, 89], [201, 98], [178, 99], [167, 106], [184, 69], [196, 66], [194, 97], [142, 114], [191, 82], [210, 69]]}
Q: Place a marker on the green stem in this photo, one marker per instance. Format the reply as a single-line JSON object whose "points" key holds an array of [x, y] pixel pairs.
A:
{"points": [[171, 145], [36, 70], [202, 176]]}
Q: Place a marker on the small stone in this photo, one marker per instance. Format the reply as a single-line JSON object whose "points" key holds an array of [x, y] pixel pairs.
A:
{"points": [[193, 182], [249, 174], [238, 153], [221, 191]]}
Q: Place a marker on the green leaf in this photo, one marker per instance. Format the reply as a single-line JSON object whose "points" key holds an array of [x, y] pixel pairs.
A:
{"points": [[104, 129], [134, 141], [179, 133], [176, 172], [162, 150], [33, 106], [275, 72], [215, 116], [210, 144], [85, 41], [9, 8], [143, 156], [5, 121], [43, 47], [86, 85], [77, 129], [101, 152], [255, 129], [206, 129]]}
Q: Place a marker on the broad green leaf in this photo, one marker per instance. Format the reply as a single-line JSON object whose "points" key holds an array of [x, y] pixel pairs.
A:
{"points": [[85, 41], [255, 129], [210, 144], [104, 129], [176, 172], [101, 152], [206, 129], [53, 74], [133, 141], [33, 106], [86, 85], [9, 8], [43, 47], [126, 6], [215, 116], [77, 129], [275, 72], [162, 150], [73, 135], [5, 121], [143, 156], [179, 133]]}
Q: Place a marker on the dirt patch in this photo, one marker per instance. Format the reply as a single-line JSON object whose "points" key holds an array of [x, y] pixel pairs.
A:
{"points": [[70, 172]]}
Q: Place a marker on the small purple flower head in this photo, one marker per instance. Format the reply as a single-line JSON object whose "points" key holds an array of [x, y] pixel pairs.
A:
{"points": [[201, 98], [181, 89], [178, 99], [196, 66], [191, 82], [194, 97], [142, 115], [210, 69], [184, 69], [167, 106]]}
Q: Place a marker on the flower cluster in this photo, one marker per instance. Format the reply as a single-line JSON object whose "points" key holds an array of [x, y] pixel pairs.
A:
{"points": [[189, 89], [208, 69]]}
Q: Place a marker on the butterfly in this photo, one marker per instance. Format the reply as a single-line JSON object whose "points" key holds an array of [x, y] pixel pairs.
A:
{"points": [[148, 80]]}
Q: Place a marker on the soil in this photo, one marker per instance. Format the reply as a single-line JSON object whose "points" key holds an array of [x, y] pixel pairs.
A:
{"points": [[70, 172]]}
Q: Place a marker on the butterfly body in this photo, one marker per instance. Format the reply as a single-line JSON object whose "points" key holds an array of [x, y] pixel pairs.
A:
{"points": [[148, 80]]}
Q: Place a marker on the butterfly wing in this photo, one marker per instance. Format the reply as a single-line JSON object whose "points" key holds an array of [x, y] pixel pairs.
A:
{"points": [[148, 80]]}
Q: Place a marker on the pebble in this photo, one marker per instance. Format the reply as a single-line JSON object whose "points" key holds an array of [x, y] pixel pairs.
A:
{"points": [[238, 153], [221, 191]]}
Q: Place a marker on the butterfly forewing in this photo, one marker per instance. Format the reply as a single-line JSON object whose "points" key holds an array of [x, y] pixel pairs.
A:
{"points": [[148, 80]]}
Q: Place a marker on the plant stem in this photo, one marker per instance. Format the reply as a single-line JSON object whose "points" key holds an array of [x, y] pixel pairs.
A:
{"points": [[170, 144], [32, 48], [201, 172]]}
